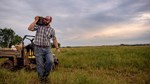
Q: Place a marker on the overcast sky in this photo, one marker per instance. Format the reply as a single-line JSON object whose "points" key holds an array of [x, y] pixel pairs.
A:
{"points": [[82, 22]]}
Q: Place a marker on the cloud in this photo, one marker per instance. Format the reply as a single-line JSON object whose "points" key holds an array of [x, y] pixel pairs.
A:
{"points": [[130, 30], [82, 22]]}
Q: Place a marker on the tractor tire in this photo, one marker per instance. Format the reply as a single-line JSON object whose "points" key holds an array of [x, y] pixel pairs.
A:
{"points": [[8, 64], [30, 67]]}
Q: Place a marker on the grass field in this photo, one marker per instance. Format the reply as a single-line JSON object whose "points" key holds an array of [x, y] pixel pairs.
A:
{"points": [[92, 65]]}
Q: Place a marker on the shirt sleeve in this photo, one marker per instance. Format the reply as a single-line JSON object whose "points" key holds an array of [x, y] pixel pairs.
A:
{"points": [[36, 27], [51, 34]]}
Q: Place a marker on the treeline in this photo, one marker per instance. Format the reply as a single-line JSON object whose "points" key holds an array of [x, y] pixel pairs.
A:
{"points": [[8, 37], [134, 44]]}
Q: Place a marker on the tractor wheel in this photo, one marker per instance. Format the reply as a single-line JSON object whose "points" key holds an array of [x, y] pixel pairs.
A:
{"points": [[8, 64], [30, 67]]}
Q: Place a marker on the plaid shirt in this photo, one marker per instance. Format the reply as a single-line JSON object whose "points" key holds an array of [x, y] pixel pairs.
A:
{"points": [[43, 35]]}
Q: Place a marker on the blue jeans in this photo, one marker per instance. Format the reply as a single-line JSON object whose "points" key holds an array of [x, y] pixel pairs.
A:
{"points": [[44, 61]]}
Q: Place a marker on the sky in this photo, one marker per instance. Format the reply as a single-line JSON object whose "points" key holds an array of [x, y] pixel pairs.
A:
{"points": [[82, 22]]}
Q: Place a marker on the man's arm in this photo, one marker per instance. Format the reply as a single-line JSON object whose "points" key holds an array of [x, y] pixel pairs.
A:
{"points": [[31, 26], [56, 44]]}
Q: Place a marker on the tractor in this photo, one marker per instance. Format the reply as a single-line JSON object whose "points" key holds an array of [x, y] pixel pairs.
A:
{"points": [[23, 56]]}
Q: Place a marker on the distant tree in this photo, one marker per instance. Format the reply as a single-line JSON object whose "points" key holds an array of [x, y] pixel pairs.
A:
{"points": [[8, 37], [16, 40], [1, 36]]}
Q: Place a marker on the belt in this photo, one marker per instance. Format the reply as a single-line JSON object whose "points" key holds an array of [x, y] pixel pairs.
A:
{"points": [[41, 46]]}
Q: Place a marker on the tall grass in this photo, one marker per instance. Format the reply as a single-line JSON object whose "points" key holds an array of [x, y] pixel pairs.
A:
{"points": [[92, 65], [106, 57]]}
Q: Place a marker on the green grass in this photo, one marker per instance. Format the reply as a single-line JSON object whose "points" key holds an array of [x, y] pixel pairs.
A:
{"points": [[92, 65]]}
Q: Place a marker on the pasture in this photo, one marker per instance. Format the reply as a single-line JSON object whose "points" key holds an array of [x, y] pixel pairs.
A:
{"points": [[92, 65]]}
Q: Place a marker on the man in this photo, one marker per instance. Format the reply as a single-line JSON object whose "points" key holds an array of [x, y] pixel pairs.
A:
{"points": [[44, 58]]}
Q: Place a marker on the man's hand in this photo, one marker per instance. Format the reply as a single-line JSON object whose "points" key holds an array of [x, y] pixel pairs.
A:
{"points": [[36, 18], [57, 49], [31, 26]]}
